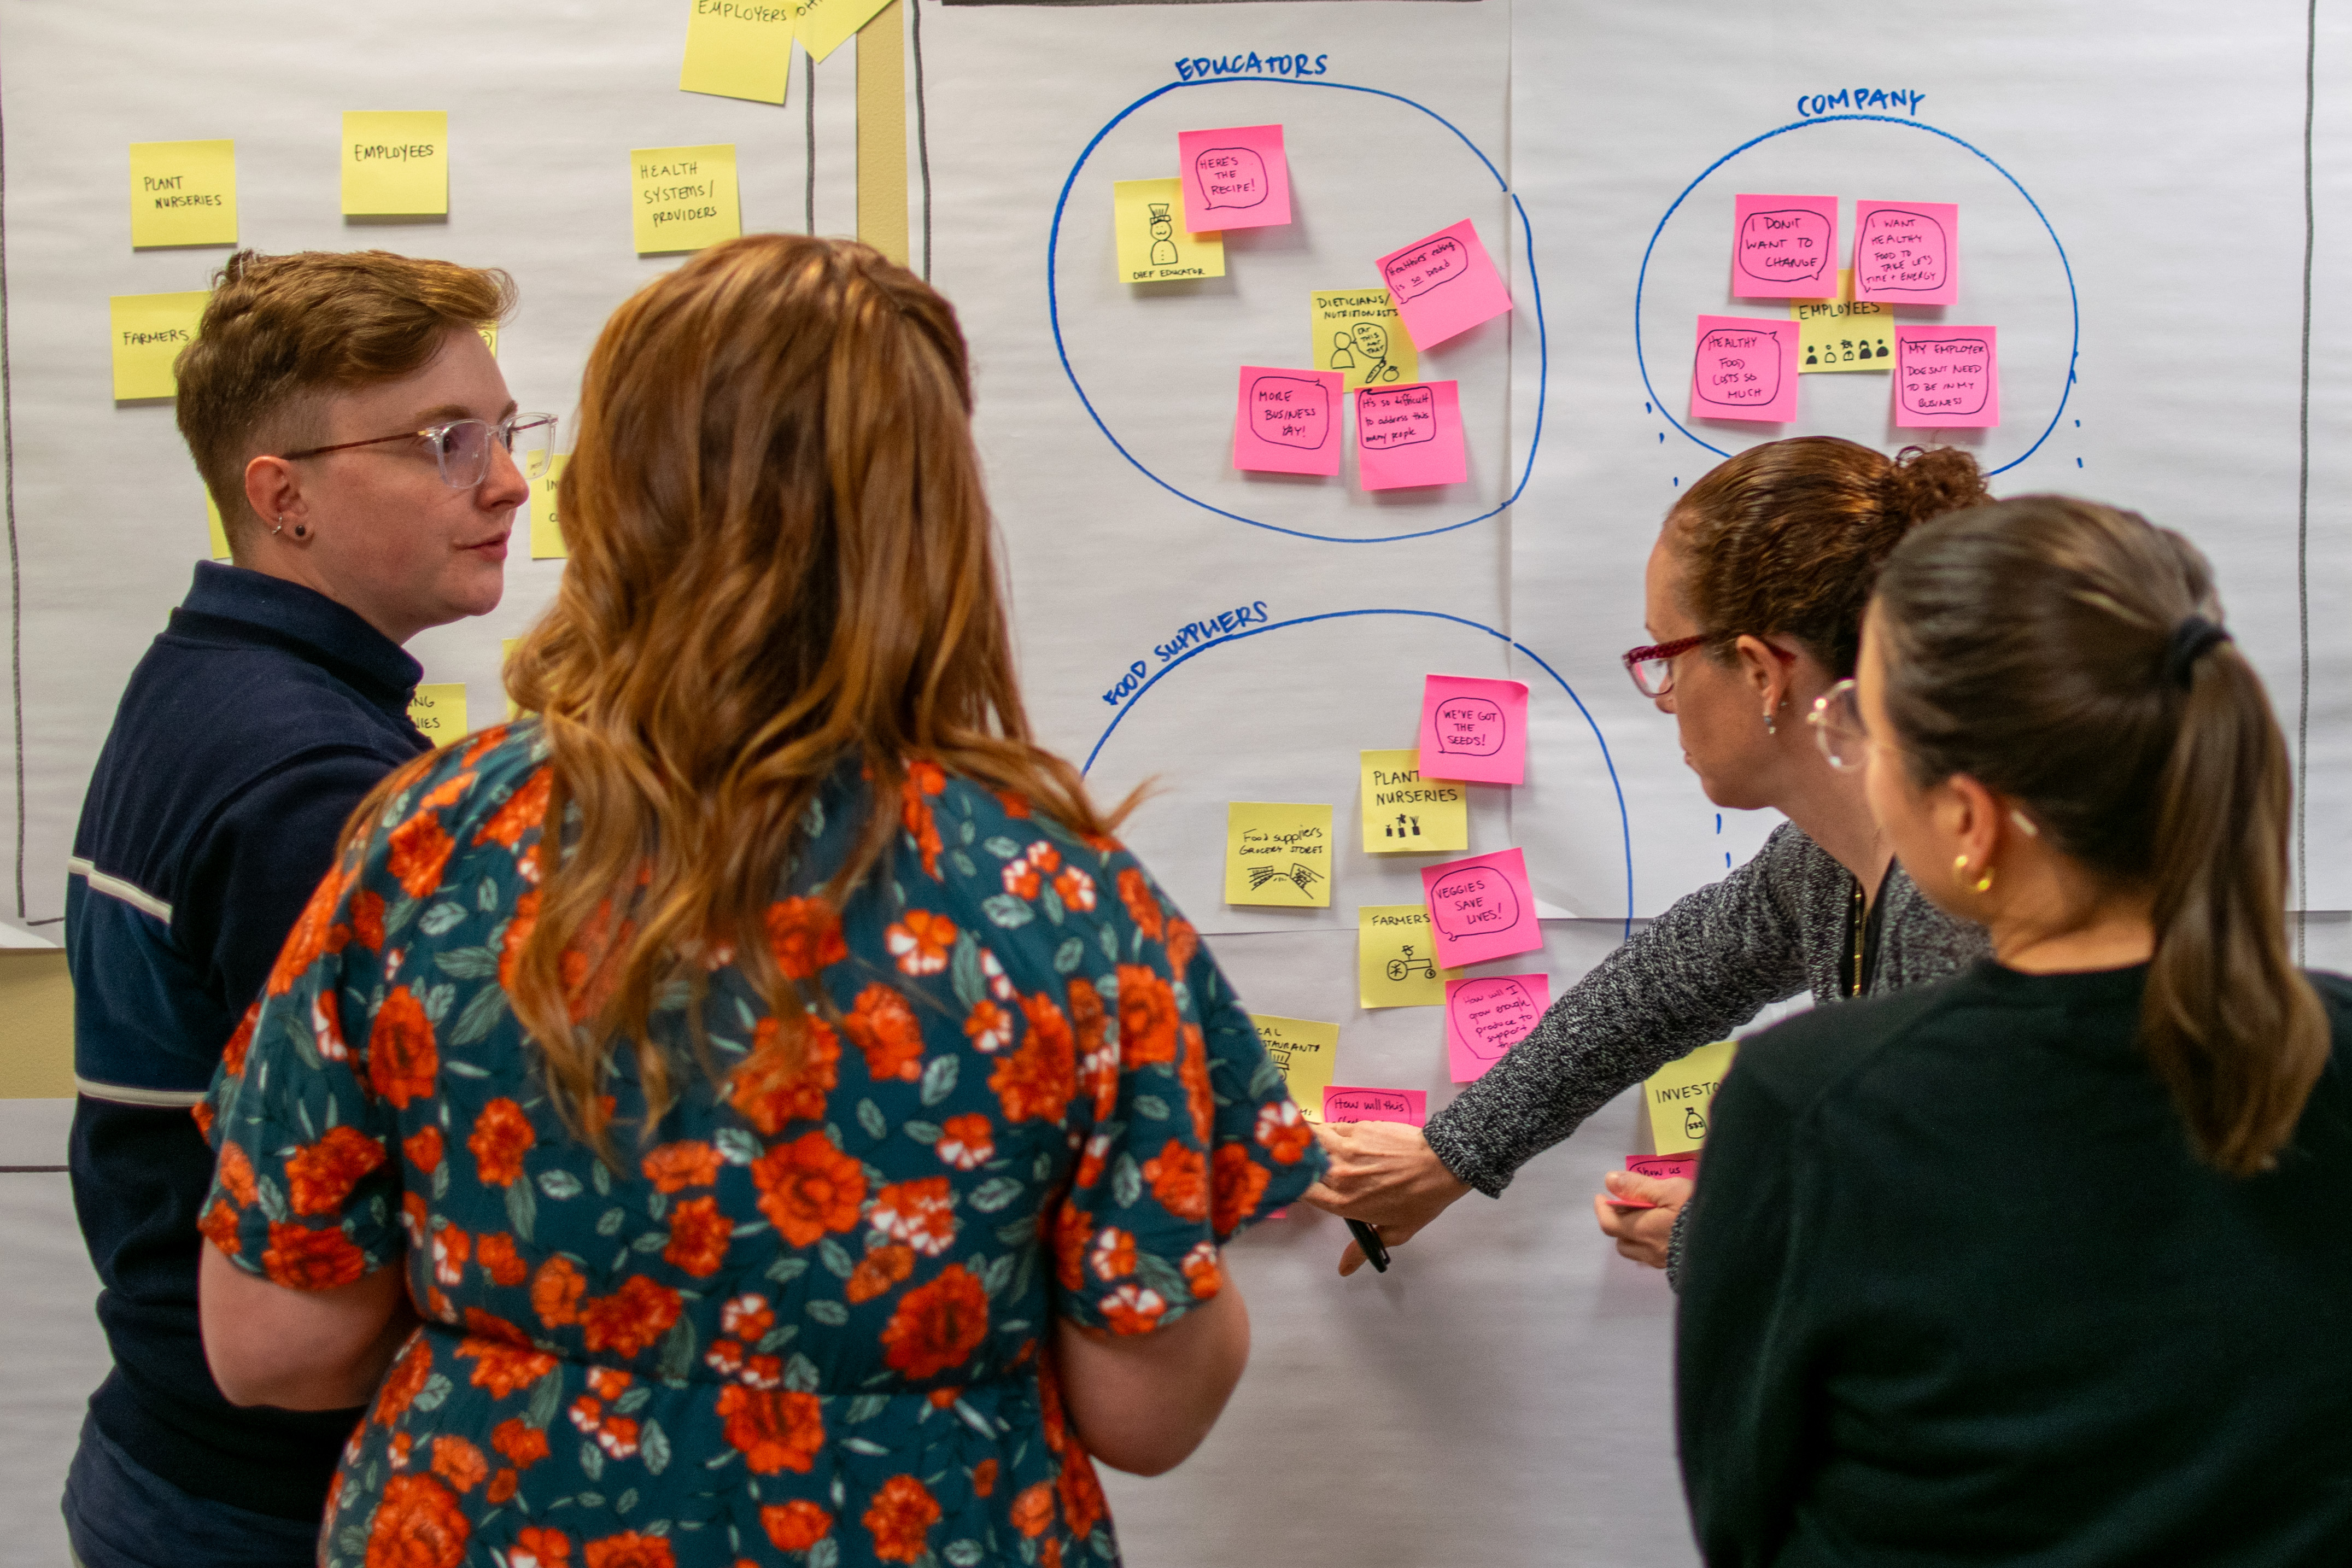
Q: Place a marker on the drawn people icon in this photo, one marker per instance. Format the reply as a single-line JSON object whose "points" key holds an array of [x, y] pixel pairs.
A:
{"points": [[1373, 339], [1163, 235], [1810, 356], [1342, 359]]}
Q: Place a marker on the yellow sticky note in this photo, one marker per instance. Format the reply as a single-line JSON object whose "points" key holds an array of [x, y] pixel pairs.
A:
{"points": [[489, 333], [182, 193], [505, 652], [1405, 815], [683, 198], [1278, 853], [1396, 958], [1304, 1050], [546, 528], [149, 330], [395, 165], [219, 532], [440, 710], [1843, 333], [823, 25], [1358, 332], [1148, 220], [1681, 1096], [738, 49]]}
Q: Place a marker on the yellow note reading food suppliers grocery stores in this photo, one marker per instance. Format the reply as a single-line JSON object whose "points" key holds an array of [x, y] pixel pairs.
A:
{"points": [[1148, 220], [1396, 960], [440, 710], [1278, 853], [738, 49], [219, 532], [395, 163], [149, 330], [683, 198], [546, 527], [1405, 814], [823, 25], [1358, 332], [182, 193], [1681, 1096], [1304, 1050], [1843, 333]]}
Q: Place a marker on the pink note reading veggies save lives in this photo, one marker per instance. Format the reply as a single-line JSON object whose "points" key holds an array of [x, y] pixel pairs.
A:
{"points": [[1474, 730], [1410, 435], [1907, 253], [1784, 248], [1234, 178], [1486, 1016], [1947, 377], [1445, 284], [1480, 908], [1745, 368], [1288, 421], [1410, 1106]]}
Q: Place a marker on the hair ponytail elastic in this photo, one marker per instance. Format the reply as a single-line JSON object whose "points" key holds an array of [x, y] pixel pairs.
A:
{"points": [[2191, 640]]}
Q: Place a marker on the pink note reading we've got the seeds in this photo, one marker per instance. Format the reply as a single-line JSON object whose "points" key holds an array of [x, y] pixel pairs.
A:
{"points": [[1410, 435], [1947, 377], [1486, 1016], [1907, 253], [1480, 908], [1288, 421], [1234, 178], [1784, 248], [1445, 284], [1745, 368], [1474, 730], [1410, 1106]]}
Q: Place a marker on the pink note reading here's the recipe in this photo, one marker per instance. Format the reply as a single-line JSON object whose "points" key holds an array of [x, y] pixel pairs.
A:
{"points": [[1486, 1016], [1410, 1106], [1445, 284], [1410, 435], [1474, 730], [1234, 178], [1784, 248], [1745, 368], [1480, 908], [1947, 377], [1287, 421], [1658, 1168], [1907, 253]]}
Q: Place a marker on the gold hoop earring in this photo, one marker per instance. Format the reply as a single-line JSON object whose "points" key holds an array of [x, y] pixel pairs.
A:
{"points": [[1960, 871]]}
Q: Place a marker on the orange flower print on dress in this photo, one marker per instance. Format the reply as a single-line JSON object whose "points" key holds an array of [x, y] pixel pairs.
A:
{"points": [[403, 1383], [1182, 943], [303, 1259], [423, 1148], [502, 1134], [555, 1292], [418, 1524], [1284, 1132], [1082, 1498], [1035, 1082], [630, 1319], [502, 1367], [901, 1519], [1204, 1275], [776, 1430], [483, 745], [990, 1026], [1178, 1179], [1146, 1016], [497, 1255], [878, 1271], [886, 1029], [937, 1325], [536, 1546], [675, 1166], [201, 1113], [402, 1059], [747, 1316], [1135, 892], [420, 848], [308, 940], [919, 1213], [983, 1478], [788, 1074], [524, 810], [240, 1042], [629, 1549], [921, 940], [459, 1463], [237, 1174], [1073, 1228], [699, 1235], [1192, 1072], [1132, 1310], [219, 1228], [521, 1444], [1114, 1255], [806, 936], [520, 926], [808, 1187], [915, 812], [1098, 1052], [367, 920], [1033, 1510], [1240, 1182], [327, 1028], [1077, 889], [321, 1176], [967, 1143], [503, 1486], [794, 1526]]}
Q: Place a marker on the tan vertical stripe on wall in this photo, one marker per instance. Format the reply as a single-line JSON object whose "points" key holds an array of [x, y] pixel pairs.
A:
{"points": [[882, 133]]}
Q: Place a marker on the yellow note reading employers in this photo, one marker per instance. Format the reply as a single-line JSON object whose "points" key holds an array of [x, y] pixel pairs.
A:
{"points": [[738, 49], [1396, 958], [1304, 1050], [149, 330], [440, 710], [546, 527], [823, 25], [219, 532], [1358, 332], [1278, 853], [182, 193], [395, 163], [1843, 333], [683, 198], [1406, 815], [1681, 1096], [1148, 221]]}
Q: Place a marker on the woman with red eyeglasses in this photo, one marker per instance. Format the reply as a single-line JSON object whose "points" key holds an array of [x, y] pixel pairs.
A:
{"points": [[1754, 600]]}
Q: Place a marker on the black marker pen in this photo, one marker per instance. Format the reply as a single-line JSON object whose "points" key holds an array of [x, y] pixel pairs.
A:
{"points": [[1368, 1238]]}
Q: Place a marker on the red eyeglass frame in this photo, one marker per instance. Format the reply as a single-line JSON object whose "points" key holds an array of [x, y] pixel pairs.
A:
{"points": [[1672, 649]]}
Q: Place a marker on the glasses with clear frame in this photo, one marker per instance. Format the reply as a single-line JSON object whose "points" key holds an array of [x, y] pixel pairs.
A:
{"points": [[1838, 728], [462, 446]]}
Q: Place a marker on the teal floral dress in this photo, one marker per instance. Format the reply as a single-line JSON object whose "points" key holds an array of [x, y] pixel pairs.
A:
{"points": [[805, 1322]]}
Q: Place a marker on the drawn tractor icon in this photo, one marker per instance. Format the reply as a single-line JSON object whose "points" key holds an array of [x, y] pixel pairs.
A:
{"points": [[1401, 967]]}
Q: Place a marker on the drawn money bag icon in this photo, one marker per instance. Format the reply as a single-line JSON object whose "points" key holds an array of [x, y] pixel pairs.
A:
{"points": [[1340, 358], [1693, 1124], [1373, 339], [1163, 236]]}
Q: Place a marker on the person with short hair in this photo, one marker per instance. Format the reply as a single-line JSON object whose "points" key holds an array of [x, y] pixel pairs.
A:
{"points": [[354, 432]]}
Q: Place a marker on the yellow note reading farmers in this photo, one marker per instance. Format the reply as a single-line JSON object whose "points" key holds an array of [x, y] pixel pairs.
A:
{"points": [[1407, 815], [1278, 853], [738, 49], [1681, 1096], [182, 193], [683, 198], [395, 163], [149, 330], [546, 527], [1396, 958], [1358, 332], [219, 531], [1304, 1050], [440, 710], [1148, 220], [823, 25], [1843, 333]]}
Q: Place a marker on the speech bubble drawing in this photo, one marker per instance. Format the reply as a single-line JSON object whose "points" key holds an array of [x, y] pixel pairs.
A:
{"points": [[1395, 419], [1290, 411], [1491, 1016], [1230, 176], [1900, 251], [1346, 1103], [1738, 367], [1412, 273], [1789, 246], [1471, 727], [1476, 900], [1950, 377]]}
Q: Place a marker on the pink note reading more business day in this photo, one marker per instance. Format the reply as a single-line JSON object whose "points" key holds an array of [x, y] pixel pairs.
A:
{"points": [[1445, 284], [1745, 367], [1474, 730], [1486, 1016], [1480, 908], [1287, 421], [1946, 378], [1784, 248], [1234, 178], [1410, 1106], [1410, 435]]}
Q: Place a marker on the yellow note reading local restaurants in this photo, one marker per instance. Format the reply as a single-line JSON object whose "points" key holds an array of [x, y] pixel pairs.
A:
{"points": [[738, 49], [1681, 1096], [546, 527], [683, 198], [1843, 333], [823, 25], [395, 163], [1358, 332], [149, 330], [440, 710], [1304, 1050], [219, 531], [182, 193], [1396, 958], [1148, 221], [1405, 814], [1278, 853]]}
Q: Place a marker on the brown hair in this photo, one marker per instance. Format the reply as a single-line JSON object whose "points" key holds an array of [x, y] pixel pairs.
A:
{"points": [[279, 329], [1787, 537], [2031, 644]]}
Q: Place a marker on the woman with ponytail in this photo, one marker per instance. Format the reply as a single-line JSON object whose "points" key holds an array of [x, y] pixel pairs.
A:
{"points": [[2047, 1262]]}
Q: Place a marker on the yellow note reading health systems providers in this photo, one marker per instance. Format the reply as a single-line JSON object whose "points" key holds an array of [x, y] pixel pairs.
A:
{"points": [[1405, 814], [440, 710], [1304, 1050], [182, 193], [1681, 1096], [1843, 333], [1396, 958], [823, 25], [1148, 220], [546, 527], [1358, 332], [219, 531], [1278, 853], [149, 330], [683, 198], [738, 49], [395, 163]]}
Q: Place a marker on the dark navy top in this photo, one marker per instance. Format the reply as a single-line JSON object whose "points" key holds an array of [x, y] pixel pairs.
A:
{"points": [[252, 727]]}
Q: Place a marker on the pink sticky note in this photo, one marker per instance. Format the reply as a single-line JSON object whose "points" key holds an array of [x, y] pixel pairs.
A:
{"points": [[1287, 421], [1947, 377], [1745, 368], [1480, 908], [1234, 178], [1658, 1168], [1474, 730], [1445, 284], [1486, 1016], [1907, 253], [1410, 435], [1784, 248], [1407, 1105]]}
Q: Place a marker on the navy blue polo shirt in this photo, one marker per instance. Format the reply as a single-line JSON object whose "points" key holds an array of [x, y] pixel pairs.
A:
{"points": [[255, 723]]}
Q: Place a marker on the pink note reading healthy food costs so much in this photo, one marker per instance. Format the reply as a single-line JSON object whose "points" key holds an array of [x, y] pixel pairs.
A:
{"points": [[1444, 285], [1287, 421], [1480, 908], [1234, 178], [1745, 367]]}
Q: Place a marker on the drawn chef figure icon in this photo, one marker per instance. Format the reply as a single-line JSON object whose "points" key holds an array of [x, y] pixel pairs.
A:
{"points": [[1163, 235], [1373, 339]]}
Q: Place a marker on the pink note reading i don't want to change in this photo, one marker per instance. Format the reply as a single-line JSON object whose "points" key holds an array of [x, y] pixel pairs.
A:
{"points": [[1480, 908], [1444, 285], [1410, 435], [1486, 1016], [1745, 368], [1784, 248], [1474, 730], [1287, 421], [1341, 1103], [1234, 178]]}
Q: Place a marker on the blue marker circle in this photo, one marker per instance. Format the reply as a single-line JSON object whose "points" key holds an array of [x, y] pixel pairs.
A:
{"points": [[1054, 309]]}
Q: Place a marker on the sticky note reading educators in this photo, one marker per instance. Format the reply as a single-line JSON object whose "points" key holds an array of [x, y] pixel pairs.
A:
{"points": [[738, 49], [1360, 333], [149, 331], [683, 198], [1405, 814], [1396, 958], [1843, 333], [182, 193], [440, 710], [396, 165], [1148, 221], [1278, 853], [546, 527], [1681, 1095], [1304, 1050]]}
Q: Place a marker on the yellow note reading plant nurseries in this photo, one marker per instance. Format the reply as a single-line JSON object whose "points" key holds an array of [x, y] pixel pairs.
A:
{"points": [[683, 198], [1405, 814], [182, 193], [440, 710], [395, 165], [738, 49]]}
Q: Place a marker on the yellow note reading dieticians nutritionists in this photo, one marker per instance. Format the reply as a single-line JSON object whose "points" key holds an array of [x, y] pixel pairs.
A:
{"points": [[395, 163], [1148, 220], [149, 330], [1405, 814], [1681, 1096], [1396, 958], [683, 198], [182, 193], [1278, 852], [1304, 1050], [440, 710], [738, 49]]}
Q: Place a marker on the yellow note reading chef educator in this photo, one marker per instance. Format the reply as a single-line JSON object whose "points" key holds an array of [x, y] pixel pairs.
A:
{"points": [[683, 198], [1681, 1096], [1148, 220], [1278, 853], [738, 49], [182, 193], [395, 163], [1306, 1051], [149, 330], [1405, 814], [1396, 958], [440, 710], [823, 25], [1358, 332], [546, 526]]}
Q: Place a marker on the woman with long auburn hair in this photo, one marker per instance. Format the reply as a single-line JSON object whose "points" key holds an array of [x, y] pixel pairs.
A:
{"points": [[805, 1134]]}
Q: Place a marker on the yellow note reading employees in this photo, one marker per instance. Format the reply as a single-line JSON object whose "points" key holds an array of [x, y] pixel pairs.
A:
{"points": [[219, 532], [1406, 815], [149, 330], [1148, 220], [1681, 1096], [546, 527], [738, 49], [823, 25], [395, 165], [1304, 1050], [1843, 333], [1278, 853], [683, 198], [182, 193], [1358, 332], [1396, 958], [440, 710]]}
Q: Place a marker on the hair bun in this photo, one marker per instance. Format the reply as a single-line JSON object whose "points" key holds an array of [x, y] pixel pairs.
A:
{"points": [[1926, 482]]}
